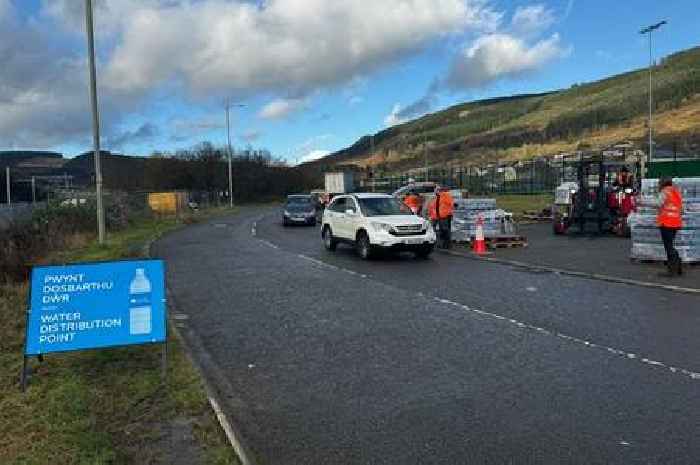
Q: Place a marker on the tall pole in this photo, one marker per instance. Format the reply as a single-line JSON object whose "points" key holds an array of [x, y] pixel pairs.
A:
{"points": [[95, 121], [230, 152], [230, 163], [649, 30], [425, 155], [651, 100], [9, 186], [371, 155]]}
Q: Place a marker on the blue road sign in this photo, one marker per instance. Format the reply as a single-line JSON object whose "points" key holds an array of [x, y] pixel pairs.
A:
{"points": [[89, 306]]}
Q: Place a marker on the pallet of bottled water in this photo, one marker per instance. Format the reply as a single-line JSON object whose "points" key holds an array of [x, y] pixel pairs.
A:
{"points": [[475, 205], [646, 238]]}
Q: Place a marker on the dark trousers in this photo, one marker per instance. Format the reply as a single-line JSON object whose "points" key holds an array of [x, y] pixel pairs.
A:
{"points": [[668, 235], [445, 232]]}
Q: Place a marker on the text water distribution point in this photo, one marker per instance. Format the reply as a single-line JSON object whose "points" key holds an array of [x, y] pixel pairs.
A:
{"points": [[90, 306]]}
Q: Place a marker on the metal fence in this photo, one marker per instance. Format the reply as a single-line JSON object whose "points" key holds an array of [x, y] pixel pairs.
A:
{"points": [[536, 176]]}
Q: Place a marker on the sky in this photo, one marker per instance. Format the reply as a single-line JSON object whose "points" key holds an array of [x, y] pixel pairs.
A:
{"points": [[304, 77]]}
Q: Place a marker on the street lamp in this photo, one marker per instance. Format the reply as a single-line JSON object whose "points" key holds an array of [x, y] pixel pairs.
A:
{"points": [[95, 121], [648, 31], [230, 155]]}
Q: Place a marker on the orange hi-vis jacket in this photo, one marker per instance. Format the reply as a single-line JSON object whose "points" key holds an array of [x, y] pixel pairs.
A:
{"points": [[445, 205], [432, 210], [670, 211], [413, 202]]}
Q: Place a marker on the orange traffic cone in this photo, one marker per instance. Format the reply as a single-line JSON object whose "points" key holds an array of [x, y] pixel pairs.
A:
{"points": [[479, 247]]}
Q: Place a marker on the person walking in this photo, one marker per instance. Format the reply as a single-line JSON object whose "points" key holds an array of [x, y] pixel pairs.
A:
{"points": [[669, 221], [444, 206]]}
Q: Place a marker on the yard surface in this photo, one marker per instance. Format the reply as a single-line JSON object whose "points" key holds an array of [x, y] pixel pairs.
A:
{"points": [[107, 406]]}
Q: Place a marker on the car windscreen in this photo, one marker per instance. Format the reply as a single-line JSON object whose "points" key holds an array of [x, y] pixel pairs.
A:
{"points": [[304, 203], [383, 206]]}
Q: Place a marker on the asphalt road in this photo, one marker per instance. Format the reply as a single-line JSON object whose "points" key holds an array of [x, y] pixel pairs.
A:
{"points": [[607, 255], [321, 358]]}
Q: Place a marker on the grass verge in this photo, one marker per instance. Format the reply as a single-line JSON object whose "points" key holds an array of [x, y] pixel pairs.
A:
{"points": [[108, 406], [519, 204]]}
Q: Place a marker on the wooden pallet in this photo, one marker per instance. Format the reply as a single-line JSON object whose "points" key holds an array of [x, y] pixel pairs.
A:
{"points": [[505, 242]]}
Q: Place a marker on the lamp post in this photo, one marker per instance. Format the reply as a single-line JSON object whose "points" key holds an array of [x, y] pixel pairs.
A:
{"points": [[95, 121], [648, 31], [230, 154]]}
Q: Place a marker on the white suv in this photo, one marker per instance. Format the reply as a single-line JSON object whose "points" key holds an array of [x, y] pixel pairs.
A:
{"points": [[375, 221]]}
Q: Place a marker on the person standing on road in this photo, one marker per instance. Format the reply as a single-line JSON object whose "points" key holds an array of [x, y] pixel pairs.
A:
{"points": [[669, 221], [444, 206]]}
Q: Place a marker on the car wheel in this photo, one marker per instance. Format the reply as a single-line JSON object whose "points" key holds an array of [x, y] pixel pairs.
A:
{"points": [[329, 241], [364, 247], [424, 251]]}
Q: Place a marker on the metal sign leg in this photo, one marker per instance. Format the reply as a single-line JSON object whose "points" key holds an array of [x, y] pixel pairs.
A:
{"points": [[164, 361], [23, 375]]}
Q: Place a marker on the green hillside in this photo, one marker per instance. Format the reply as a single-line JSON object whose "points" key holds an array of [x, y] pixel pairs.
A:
{"points": [[593, 115]]}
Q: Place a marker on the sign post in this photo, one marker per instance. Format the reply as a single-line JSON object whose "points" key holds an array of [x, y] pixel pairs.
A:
{"points": [[93, 306]]}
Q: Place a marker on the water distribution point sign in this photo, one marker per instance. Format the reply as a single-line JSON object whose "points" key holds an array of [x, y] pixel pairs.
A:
{"points": [[91, 306]]}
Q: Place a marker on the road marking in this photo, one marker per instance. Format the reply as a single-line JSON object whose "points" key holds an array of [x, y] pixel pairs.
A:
{"points": [[690, 374], [268, 243], [630, 356], [230, 435], [254, 229], [323, 264]]}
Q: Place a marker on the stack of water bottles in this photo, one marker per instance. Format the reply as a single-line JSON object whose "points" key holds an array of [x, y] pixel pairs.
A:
{"points": [[646, 239], [468, 211]]}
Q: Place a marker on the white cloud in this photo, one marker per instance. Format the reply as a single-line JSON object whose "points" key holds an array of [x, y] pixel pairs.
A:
{"points": [[277, 45], [393, 118], [531, 20], [281, 108], [311, 149], [497, 56], [314, 155]]}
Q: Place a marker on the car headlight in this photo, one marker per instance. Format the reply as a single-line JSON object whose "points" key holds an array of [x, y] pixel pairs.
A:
{"points": [[286, 213], [379, 227]]}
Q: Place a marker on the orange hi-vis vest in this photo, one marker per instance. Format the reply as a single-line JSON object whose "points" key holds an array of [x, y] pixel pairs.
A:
{"points": [[445, 206], [670, 211], [413, 202], [432, 210]]}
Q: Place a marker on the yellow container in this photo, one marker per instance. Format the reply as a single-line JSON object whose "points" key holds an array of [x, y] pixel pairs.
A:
{"points": [[167, 203]]}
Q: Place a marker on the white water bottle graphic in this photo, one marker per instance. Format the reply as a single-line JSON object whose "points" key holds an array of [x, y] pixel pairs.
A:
{"points": [[140, 304]]}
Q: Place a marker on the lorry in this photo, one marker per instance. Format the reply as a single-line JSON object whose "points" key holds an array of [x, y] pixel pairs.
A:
{"points": [[340, 182]]}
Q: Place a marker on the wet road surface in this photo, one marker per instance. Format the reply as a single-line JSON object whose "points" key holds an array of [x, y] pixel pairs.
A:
{"points": [[321, 358]]}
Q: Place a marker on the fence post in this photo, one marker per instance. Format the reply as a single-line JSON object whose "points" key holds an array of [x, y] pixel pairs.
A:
{"points": [[9, 186]]}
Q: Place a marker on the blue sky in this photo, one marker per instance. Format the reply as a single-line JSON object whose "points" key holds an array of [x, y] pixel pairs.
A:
{"points": [[315, 75]]}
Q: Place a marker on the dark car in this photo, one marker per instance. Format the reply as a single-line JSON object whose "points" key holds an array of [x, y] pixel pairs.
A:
{"points": [[299, 209]]}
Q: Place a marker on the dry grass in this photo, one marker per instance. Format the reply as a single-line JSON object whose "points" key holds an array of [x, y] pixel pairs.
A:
{"points": [[98, 407]]}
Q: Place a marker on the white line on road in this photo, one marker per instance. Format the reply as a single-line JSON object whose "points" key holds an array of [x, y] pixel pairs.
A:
{"points": [[691, 374], [269, 244]]}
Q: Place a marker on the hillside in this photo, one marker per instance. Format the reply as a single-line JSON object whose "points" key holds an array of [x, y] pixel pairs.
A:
{"points": [[593, 115]]}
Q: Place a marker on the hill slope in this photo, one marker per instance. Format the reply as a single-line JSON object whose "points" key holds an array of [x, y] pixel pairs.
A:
{"points": [[594, 115]]}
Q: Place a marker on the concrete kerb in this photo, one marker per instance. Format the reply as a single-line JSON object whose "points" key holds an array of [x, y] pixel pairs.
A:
{"points": [[578, 274], [232, 433]]}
